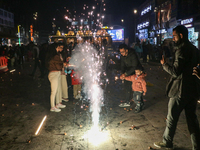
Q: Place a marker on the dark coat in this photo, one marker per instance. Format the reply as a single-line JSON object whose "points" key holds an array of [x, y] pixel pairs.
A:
{"points": [[130, 63], [182, 83]]}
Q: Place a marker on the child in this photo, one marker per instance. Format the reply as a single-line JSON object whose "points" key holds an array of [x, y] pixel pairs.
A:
{"points": [[139, 88], [76, 82]]}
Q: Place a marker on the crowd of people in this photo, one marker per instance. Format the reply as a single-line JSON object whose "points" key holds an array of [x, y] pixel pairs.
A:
{"points": [[182, 88]]}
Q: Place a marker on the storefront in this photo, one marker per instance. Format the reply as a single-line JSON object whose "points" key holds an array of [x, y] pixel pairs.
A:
{"points": [[192, 34], [143, 31]]}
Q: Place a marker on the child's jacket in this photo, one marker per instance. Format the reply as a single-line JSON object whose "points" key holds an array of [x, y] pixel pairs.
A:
{"points": [[138, 82], [75, 76]]}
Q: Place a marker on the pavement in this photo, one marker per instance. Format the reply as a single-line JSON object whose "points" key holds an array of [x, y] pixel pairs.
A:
{"points": [[24, 102]]}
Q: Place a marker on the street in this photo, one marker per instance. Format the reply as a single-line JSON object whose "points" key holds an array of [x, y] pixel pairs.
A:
{"points": [[24, 102]]}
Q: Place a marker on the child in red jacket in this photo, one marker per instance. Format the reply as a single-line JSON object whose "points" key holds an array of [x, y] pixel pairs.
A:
{"points": [[76, 82], [139, 88]]}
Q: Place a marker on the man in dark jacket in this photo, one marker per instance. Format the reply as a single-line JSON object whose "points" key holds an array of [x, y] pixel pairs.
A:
{"points": [[129, 62], [181, 89]]}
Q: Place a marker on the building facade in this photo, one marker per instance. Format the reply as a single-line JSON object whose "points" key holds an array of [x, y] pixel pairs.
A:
{"points": [[6, 25], [164, 15]]}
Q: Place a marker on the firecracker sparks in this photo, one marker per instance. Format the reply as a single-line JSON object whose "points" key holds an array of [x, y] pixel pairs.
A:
{"points": [[40, 125], [89, 64]]}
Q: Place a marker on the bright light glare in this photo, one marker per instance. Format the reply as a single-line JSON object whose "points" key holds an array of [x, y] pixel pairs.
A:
{"points": [[96, 137], [40, 125]]}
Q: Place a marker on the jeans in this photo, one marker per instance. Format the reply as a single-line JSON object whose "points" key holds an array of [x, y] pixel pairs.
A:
{"points": [[175, 107], [138, 99], [128, 90]]}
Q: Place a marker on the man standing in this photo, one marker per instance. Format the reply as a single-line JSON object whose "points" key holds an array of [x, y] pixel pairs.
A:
{"points": [[181, 89], [129, 62]]}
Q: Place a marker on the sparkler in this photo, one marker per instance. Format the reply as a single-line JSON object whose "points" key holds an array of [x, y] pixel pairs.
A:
{"points": [[12, 70], [40, 125]]}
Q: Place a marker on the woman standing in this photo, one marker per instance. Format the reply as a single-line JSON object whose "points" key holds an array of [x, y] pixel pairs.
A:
{"points": [[55, 65]]}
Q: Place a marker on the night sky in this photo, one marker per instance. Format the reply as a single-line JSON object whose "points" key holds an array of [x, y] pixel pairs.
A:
{"points": [[47, 10]]}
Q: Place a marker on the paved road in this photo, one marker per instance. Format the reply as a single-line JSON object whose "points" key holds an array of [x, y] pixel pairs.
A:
{"points": [[24, 102]]}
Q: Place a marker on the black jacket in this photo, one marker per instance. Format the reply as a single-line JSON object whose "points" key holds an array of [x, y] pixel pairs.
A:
{"points": [[129, 63], [182, 83]]}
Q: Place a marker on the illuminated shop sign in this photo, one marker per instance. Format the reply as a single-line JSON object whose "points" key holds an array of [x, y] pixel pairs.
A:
{"points": [[143, 34], [142, 25], [187, 21], [161, 31], [146, 10]]}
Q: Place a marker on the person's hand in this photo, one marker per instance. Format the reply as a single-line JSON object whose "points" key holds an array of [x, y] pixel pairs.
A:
{"points": [[64, 64], [144, 94], [162, 61], [196, 71], [123, 76]]}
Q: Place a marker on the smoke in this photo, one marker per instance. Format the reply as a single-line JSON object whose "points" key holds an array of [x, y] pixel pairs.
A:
{"points": [[88, 64]]}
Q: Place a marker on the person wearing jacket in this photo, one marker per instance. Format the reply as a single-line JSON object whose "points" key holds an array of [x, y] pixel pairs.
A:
{"points": [[55, 65], [181, 89], [139, 88], [129, 62]]}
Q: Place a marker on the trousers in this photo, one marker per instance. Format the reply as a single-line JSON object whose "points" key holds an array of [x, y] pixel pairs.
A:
{"points": [[56, 93], [175, 107]]}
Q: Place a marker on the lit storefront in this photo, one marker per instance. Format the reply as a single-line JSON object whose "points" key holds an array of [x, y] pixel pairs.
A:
{"points": [[143, 31], [192, 35]]}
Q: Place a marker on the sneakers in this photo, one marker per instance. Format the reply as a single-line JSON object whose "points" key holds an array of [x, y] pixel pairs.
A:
{"points": [[60, 105], [65, 99], [78, 96], [124, 105], [55, 109], [162, 145]]}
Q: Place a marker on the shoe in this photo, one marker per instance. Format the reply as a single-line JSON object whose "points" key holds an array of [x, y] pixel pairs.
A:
{"points": [[137, 110], [65, 99], [60, 105], [124, 105], [55, 109], [162, 145]]}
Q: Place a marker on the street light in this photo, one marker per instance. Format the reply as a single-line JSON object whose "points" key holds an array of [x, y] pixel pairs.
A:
{"points": [[135, 14], [122, 20], [135, 11]]}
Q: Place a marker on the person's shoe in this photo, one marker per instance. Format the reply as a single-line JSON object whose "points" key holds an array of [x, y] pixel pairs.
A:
{"points": [[143, 106], [65, 99], [137, 110], [60, 105], [55, 109], [162, 145], [124, 105]]}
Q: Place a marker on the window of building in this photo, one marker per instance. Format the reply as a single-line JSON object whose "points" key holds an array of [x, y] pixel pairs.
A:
{"points": [[1, 12], [1, 21], [9, 15], [5, 14], [6, 22]]}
